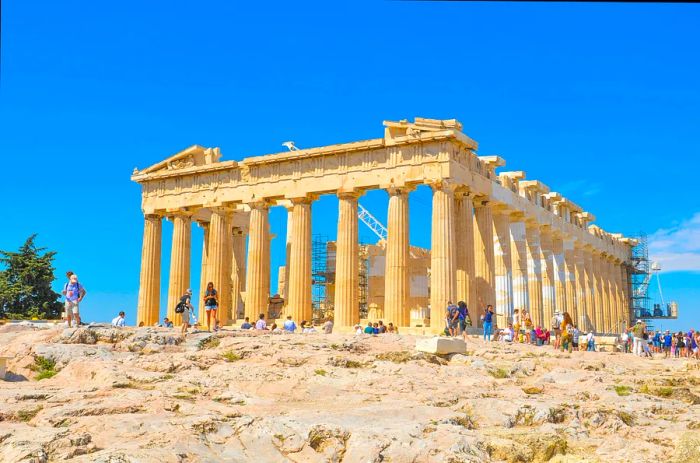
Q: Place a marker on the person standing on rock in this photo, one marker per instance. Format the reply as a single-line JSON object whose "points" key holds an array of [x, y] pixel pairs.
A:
{"points": [[187, 308], [556, 329], [488, 320], [211, 303], [328, 326], [638, 331], [75, 292], [463, 318]]}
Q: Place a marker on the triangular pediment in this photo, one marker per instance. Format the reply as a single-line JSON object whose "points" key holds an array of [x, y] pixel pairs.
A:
{"points": [[194, 156]]}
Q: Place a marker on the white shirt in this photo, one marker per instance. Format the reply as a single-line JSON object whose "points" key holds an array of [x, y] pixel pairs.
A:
{"points": [[118, 321], [589, 337]]}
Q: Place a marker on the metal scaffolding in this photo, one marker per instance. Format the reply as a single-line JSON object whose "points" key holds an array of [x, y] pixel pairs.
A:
{"points": [[321, 278]]}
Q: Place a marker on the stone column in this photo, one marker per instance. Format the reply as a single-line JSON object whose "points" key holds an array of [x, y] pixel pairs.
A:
{"points": [[180, 254], [612, 290], [503, 266], [299, 306], [288, 253], [559, 274], [534, 274], [237, 272], [396, 277], [615, 278], [347, 263], [518, 243], [149, 288], [443, 275], [624, 285], [257, 281], [580, 277], [599, 296], [203, 272], [591, 292], [464, 247], [484, 265], [548, 279], [219, 263], [570, 283]]}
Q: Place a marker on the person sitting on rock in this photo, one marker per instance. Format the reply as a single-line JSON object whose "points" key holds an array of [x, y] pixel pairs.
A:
{"points": [[274, 329], [261, 324], [328, 326], [119, 320], [375, 328], [307, 327], [358, 329], [392, 329], [508, 334], [289, 325], [369, 329], [246, 324], [167, 323], [540, 336], [381, 327]]}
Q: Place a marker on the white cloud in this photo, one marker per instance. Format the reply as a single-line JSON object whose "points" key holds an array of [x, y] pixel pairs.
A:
{"points": [[677, 248]]}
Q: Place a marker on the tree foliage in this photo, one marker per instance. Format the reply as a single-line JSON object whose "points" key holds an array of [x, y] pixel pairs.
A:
{"points": [[25, 283]]}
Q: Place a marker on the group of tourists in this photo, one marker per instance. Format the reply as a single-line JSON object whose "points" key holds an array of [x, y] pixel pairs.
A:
{"points": [[644, 343], [376, 328], [288, 327]]}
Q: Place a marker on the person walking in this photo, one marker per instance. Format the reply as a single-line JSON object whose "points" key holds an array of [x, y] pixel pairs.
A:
{"points": [[567, 337], [488, 320], [211, 303], [638, 331], [75, 293], [185, 308], [463, 318], [556, 329]]}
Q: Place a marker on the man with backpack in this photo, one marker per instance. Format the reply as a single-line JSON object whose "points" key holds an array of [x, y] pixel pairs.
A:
{"points": [[74, 292], [185, 308], [452, 319], [556, 329]]}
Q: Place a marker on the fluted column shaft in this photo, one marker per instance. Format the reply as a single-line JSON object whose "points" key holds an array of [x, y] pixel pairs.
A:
{"points": [[559, 274], [484, 265], [149, 288], [503, 267], [464, 244], [299, 306], [624, 285], [443, 276], [617, 287], [518, 242], [599, 295], [612, 325], [203, 274], [591, 291], [219, 263], [347, 263], [180, 253], [580, 278], [237, 272], [548, 279], [570, 278], [288, 253], [396, 289], [258, 264], [534, 275]]}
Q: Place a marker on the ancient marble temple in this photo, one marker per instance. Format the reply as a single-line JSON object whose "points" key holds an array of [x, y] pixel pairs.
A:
{"points": [[496, 238]]}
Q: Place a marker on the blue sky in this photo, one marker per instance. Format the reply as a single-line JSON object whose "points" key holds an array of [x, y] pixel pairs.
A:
{"points": [[599, 101]]}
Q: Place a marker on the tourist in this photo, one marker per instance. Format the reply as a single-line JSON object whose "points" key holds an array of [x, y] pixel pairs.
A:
{"points": [[381, 327], [694, 343], [75, 292], [527, 323], [556, 329], [487, 319], [68, 315], [638, 331], [246, 324], [623, 341], [507, 334], [540, 336], [187, 309], [261, 324], [358, 329], [167, 323], [590, 342], [463, 318], [375, 328], [274, 329], [516, 324], [575, 334], [307, 327], [119, 320], [289, 325], [566, 328], [211, 302], [668, 341], [392, 329], [646, 343], [369, 329], [328, 326], [451, 319]]}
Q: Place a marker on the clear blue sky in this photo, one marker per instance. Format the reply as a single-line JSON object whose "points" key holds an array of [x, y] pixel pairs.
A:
{"points": [[599, 101]]}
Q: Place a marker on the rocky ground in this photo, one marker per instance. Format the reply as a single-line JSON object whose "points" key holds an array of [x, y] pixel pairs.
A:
{"points": [[142, 395]]}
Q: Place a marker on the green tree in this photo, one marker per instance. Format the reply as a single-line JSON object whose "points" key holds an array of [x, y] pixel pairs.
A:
{"points": [[25, 283]]}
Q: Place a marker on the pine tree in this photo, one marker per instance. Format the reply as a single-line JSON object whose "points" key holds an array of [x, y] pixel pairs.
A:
{"points": [[25, 283]]}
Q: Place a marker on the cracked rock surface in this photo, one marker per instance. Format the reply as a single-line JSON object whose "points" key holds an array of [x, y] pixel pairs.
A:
{"points": [[149, 395]]}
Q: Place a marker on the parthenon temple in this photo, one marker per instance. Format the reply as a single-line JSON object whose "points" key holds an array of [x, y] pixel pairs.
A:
{"points": [[496, 238]]}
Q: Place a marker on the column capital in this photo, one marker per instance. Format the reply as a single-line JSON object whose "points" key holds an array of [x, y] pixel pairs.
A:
{"points": [[517, 216], [501, 209], [441, 184], [463, 191], [349, 193], [180, 212], [153, 216], [398, 190], [482, 201], [305, 199], [260, 203], [238, 231]]}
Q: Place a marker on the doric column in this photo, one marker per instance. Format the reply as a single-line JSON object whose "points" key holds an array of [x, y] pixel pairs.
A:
{"points": [[288, 253], [180, 253], [257, 281], [518, 243], [237, 272], [149, 288], [464, 244], [203, 272], [219, 263], [347, 263], [591, 292], [624, 285], [559, 274], [570, 282], [503, 266], [548, 279], [484, 265], [580, 277], [396, 279], [599, 295], [612, 296], [535, 275], [299, 306], [617, 287], [443, 276]]}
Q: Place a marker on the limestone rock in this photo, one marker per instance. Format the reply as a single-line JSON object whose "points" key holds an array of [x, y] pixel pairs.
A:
{"points": [[441, 346]]}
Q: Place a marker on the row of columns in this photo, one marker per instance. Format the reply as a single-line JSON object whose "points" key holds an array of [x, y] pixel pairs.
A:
{"points": [[480, 253]]}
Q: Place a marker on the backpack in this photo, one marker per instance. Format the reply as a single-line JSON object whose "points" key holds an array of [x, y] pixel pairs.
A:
{"points": [[180, 307], [556, 323]]}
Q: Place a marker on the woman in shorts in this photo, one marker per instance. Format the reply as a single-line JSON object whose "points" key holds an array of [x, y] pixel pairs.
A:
{"points": [[211, 303]]}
